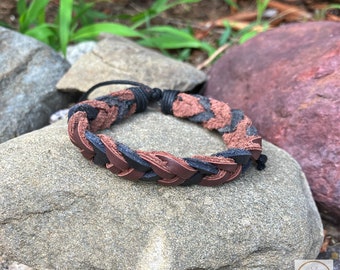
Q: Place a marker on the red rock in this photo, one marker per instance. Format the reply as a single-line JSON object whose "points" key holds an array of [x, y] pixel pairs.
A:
{"points": [[288, 81]]}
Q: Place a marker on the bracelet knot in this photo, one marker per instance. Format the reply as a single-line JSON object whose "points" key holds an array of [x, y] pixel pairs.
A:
{"points": [[144, 94]]}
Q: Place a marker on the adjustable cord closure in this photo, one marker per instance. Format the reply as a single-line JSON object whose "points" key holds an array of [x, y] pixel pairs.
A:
{"points": [[244, 145]]}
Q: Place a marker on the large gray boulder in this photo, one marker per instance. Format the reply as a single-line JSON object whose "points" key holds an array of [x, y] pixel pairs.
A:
{"points": [[60, 211], [117, 58], [29, 71]]}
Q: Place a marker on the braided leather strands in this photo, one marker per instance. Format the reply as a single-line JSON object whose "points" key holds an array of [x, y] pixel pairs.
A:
{"points": [[241, 138]]}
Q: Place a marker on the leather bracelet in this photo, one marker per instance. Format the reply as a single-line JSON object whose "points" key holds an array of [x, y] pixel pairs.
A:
{"points": [[244, 145]]}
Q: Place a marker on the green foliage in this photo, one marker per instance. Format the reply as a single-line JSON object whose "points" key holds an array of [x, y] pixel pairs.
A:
{"points": [[77, 21], [248, 35], [261, 7], [225, 36], [32, 14], [156, 8], [84, 14], [166, 37], [230, 37], [64, 23], [321, 13], [231, 3], [92, 31]]}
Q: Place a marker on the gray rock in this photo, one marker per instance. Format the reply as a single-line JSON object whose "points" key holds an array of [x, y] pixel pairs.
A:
{"points": [[60, 211], [117, 58], [58, 115], [29, 71], [18, 266], [74, 52]]}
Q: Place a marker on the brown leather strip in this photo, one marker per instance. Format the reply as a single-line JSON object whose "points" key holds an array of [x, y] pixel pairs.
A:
{"points": [[72, 125], [256, 148], [105, 116], [78, 124], [176, 165], [257, 140], [222, 163], [158, 166], [175, 181], [255, 153], [186, 106], [131, 174], [222, 114], [86, 154], [216, 179], [114, 156], [112, 168], [125, 95], [236, 173], [240, 139]]}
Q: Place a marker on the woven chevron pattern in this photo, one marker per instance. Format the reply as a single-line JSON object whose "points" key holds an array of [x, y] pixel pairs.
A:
{"points": [[240, 136]]}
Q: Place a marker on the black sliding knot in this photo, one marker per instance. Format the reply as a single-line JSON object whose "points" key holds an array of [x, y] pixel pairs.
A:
{"points": [[261, 162], [141, 98], [169, 96], [143, 95], [156, 94]]}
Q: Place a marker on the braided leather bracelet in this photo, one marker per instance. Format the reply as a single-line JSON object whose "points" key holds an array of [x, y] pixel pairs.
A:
{"points": [[241, 138]]}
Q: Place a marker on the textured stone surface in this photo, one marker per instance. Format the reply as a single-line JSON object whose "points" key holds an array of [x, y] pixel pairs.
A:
{"points": [[74, 52], [59, 210], [117, 58], [288, 81], [29, 71]]}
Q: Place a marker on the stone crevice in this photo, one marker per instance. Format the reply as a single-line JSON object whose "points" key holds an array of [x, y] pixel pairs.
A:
{"points": [[11, 75], [53, 207]]}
